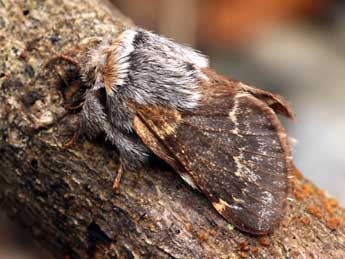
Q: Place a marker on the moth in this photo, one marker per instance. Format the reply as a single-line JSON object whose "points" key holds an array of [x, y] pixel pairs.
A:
{"points": [[151, 96]]}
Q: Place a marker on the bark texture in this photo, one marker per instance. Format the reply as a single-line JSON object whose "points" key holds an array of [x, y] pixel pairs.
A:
{"points": [[65, 197]]}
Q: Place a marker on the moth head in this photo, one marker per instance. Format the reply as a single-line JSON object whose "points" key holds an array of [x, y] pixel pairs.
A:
{"points": [[107, 65]]}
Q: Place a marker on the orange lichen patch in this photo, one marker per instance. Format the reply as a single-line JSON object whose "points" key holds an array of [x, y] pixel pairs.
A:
{"points": [[333, 202], [243, 254], [305, 220], [202, 236], [315, 211], [297, 174], [307, 189], [255, 250], [333, 223], [320, 192], [244, 246], [298, 194], [264, 241], [329, 207]]}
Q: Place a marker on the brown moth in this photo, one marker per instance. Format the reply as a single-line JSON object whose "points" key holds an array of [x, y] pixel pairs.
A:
{"points": [[151, 96]]}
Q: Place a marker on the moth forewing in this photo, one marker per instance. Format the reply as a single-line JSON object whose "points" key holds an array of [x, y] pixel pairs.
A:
{"points": [[239, 158]]}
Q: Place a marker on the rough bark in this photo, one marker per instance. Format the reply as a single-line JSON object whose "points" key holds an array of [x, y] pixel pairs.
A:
{"points": [[64, 195]]}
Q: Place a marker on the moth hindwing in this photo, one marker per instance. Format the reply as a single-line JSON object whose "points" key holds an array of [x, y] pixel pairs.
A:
{"points": [[147, 95]]}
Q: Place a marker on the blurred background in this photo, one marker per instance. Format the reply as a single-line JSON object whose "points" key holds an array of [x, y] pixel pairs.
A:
{"points": [[293, 47]]}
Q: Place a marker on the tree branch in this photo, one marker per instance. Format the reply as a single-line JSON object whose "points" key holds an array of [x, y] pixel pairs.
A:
{"points": [[65, 196]]}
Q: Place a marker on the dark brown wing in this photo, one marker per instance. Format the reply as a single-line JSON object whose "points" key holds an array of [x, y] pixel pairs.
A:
{"points": [[232, 147]]}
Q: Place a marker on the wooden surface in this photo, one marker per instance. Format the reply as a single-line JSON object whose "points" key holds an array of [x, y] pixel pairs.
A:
{"points": [[65, 196]]}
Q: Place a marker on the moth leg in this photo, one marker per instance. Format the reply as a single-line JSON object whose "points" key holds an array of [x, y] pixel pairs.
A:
{"points": [[116, 185], [73, 139], [93, 118], [133, 153], [66, 58]]}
